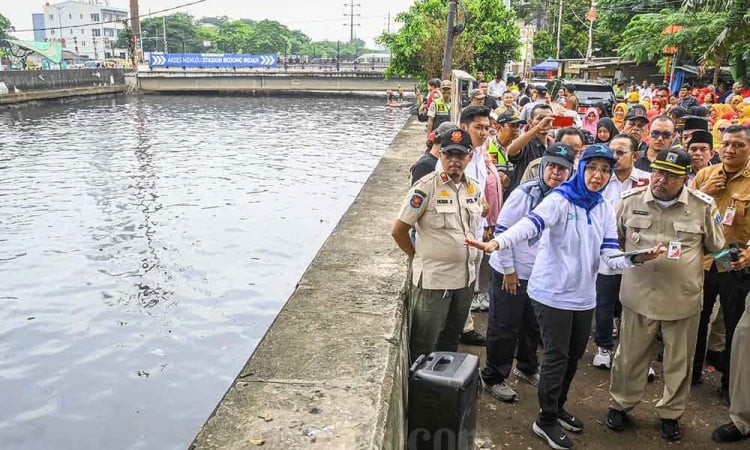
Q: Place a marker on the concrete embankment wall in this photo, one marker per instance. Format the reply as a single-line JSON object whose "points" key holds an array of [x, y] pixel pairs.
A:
{"points": [[329, 372], [18, 86], [207, 81]]}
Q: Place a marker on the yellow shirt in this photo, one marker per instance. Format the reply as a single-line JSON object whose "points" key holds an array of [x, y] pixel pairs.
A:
{"points": [[736, 195]]}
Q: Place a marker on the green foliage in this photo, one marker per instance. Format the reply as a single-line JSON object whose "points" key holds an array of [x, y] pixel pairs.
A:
{"points": [[544, 45], [489, 40], [236, 36], [5, 26], [643, 40]]}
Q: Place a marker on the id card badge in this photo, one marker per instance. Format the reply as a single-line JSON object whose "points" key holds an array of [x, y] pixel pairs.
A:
{"points": [[729, 216], [675, 250]]}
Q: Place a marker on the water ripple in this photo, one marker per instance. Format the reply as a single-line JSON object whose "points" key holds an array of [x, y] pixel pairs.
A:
{"points": [[146, 244]]}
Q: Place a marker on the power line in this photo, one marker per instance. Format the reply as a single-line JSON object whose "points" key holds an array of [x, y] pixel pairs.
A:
{"points": [[351, 16], [184, 5]]}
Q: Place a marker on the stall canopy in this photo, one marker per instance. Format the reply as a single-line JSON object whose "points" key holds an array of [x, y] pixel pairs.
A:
{"points": [[545, 66]]}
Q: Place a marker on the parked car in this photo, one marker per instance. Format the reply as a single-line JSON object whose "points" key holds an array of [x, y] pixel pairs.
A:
{"points": [[589, 93]]}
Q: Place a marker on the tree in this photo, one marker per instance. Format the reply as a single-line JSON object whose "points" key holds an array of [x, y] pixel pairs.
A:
{"points": [[733, 40], [544, 45], [5, 27], [489, 40]]}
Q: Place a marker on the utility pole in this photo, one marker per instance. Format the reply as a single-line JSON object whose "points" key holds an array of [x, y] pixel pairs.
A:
{"points": [[591, 16], [164, 30], [351, 17], [448, 52], [559, 27], [135, 27], [388, 28]]}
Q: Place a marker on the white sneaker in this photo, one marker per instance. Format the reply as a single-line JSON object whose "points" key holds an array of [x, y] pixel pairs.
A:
{"points": [[651, 374], [603, 358]]}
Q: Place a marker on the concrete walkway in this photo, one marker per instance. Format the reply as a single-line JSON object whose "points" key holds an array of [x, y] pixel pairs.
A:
{"points": [[504, 425]]}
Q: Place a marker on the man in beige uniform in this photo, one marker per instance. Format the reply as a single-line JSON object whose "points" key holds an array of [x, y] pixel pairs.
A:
{"points": [[668, 294], [445, 208]]}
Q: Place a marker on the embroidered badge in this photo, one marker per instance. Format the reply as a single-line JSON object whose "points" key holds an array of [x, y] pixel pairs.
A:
{"points": [[456, 137], [416, 201], [444, 177], [470, 189], [672, 157]]}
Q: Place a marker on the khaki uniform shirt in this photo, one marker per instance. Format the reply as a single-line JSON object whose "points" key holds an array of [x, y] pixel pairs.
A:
{"points": [[736, 195], [667, 288], [444, 214]]}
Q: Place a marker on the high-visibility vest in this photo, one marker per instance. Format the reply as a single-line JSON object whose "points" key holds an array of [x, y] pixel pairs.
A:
{"points": [[442, 112]]}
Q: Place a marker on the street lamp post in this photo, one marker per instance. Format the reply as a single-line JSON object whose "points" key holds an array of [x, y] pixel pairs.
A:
{"points": [[448, 50]]}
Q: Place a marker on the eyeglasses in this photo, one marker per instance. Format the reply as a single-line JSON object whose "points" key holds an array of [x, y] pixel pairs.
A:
{"points": [[661, 134], [669, 176], [621, 153], [606, 170]]}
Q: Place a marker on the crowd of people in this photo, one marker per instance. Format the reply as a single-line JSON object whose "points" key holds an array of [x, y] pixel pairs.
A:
{"points": [[631, 220]]}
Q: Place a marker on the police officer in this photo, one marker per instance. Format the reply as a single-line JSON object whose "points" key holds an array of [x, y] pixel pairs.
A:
{"points": [[667, 295], [445, 207], [440, 109]]}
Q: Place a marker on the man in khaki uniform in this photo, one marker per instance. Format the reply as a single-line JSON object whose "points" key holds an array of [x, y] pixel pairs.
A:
{"points": [[445, 208], [667, 294], [729, 185], [739, 410]]}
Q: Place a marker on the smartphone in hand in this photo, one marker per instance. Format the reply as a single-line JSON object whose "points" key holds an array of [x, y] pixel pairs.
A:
{"points": [[562, 122]]}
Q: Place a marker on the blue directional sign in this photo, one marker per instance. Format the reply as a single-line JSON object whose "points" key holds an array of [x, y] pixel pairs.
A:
{"points": [[221, 60]]}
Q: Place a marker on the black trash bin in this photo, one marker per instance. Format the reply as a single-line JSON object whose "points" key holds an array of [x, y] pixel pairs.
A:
{"points": [[443, 394]]}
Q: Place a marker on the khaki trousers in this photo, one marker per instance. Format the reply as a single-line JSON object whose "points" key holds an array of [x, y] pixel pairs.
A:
{"points": [[633, 354], [716, 332], [739, 376]]}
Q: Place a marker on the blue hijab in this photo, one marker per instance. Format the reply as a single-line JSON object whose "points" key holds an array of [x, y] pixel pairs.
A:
{"points": [[575, 190]]}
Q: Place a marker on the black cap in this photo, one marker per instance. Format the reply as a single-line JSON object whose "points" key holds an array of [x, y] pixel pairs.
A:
{"points": [[541, 88], [456, 140], [672, 160], [561, 154], [694, 123], [510, 116], [637, 112], [701, 137]]}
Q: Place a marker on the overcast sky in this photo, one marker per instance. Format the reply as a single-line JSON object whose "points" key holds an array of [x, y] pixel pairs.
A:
{"points": [[319, 19]]}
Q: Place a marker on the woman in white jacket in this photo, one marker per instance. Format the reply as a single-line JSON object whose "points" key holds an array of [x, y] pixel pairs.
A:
{"points": [[577, 229]]}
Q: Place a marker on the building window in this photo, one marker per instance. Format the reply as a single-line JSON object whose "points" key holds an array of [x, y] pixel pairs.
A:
{"points": [[51, 31], [51, 17], [83, 31], [95, 17], [96, 32], [83, 43], [71, 31], [81, 16], [70, 16]]}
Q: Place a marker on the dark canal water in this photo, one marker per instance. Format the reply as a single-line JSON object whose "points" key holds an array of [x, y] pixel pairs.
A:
{"points": [[147, 243]]}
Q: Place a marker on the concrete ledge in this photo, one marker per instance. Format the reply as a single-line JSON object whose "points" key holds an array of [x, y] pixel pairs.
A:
{"points": [[53, 94], [329, 372]]}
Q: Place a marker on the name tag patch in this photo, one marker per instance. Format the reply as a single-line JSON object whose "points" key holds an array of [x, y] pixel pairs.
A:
{"points": [[640, 213]]}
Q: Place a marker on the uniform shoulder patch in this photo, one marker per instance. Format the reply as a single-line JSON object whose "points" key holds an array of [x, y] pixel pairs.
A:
{"points": [[416, 201], [702, 195], [631, 192]]}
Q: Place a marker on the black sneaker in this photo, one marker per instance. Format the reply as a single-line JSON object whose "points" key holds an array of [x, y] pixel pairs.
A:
{"points": [[616, 419], [569, 422], [670, 430], [472, 337], [728, 433], [553, 434]]}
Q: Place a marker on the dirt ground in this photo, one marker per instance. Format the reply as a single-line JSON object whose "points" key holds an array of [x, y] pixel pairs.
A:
{"points": [[508, 425]]}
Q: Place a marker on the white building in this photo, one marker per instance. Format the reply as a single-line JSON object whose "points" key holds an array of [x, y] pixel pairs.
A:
{"points": [[87, 28]]}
